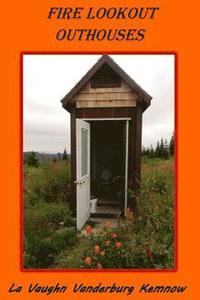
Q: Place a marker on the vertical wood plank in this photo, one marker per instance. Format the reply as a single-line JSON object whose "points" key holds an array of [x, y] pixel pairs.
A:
{"points": [[135, 135], [73, 161]]}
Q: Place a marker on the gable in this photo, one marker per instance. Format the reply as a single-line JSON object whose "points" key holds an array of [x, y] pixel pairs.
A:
{"points": [[106, 74], [105, 77], [120, 96]]}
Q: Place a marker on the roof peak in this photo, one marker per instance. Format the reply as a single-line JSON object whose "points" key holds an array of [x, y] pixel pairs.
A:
{"points": [[68, 100]]}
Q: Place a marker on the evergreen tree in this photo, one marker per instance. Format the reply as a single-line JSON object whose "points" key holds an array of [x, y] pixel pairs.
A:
{"points": [[151, 152], [162, 150], [166, 150], [157, 151], [32, 160], [65, 156], [171, 145]]}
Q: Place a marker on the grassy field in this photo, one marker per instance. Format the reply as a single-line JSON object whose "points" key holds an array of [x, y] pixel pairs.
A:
{"points": [[144, 240]]}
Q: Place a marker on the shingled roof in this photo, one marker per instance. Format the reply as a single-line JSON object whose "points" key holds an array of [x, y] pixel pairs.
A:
{"points": [[69, 100]]}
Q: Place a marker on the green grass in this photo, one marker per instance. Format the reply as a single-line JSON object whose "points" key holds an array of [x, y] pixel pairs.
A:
{"points": [[71, 258], [148, 239], [49, 182], [154, 226], [51, 241], [48, 224]]}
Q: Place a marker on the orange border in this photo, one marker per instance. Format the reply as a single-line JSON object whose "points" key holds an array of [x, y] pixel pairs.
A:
{"points": [[175, 160]]}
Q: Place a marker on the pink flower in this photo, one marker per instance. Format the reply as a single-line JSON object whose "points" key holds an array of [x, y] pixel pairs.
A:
{"points": [[88, 230], [107, 243], [88, 261], [97, 249], [118, 245], [114, 236]]}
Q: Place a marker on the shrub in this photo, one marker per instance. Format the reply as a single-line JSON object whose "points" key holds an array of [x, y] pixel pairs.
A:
{"points": [[45, 211], [29, 261], [69, 221], [146, 241], [41, 240], [154, 227], [45, 217], [64, 239], [109, 250], [38, 253], [126, 248], [32, 160], [47, 183]]}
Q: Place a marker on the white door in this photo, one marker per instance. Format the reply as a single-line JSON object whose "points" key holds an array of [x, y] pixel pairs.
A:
{"points": [[82, 172]]}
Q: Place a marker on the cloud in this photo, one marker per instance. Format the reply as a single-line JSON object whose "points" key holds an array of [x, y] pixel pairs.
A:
{"points": [[47, 78]]}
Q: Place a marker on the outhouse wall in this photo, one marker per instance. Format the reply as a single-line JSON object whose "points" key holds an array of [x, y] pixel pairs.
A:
{"points": [[135, 132], [121, 96]]}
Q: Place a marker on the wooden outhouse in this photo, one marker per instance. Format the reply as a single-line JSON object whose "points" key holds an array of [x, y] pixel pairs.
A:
{"points": [[106, 108]]}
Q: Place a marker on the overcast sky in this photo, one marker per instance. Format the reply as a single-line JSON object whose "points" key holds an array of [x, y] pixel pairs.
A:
{"points": [[47, 78]]}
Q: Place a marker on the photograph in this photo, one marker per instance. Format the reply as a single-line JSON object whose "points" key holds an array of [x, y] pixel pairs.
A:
{"points": [[99, 163]]}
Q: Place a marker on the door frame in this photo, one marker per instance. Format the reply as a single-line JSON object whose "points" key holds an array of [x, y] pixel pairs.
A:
{"points": [[126, 151]]}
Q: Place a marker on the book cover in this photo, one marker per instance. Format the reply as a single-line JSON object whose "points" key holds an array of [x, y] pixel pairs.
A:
{"points": [[99, 171]]}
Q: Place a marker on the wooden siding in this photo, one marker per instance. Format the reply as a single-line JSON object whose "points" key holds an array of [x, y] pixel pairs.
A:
{"points": [[69, 101], [114, 112], [135, 138], [73, 162], [106, 97], [105, 77]]}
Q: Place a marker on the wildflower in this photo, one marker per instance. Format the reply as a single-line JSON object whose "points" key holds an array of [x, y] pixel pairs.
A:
{"points": [[99, 266], [107, 243], [88, 261], [62, 223], [118, 245], [114, 236], [97, 249], [102, 253], [89, 230]]}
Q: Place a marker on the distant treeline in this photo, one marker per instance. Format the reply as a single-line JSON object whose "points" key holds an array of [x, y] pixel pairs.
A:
{"points": [[35, 158], [164, 149]]}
